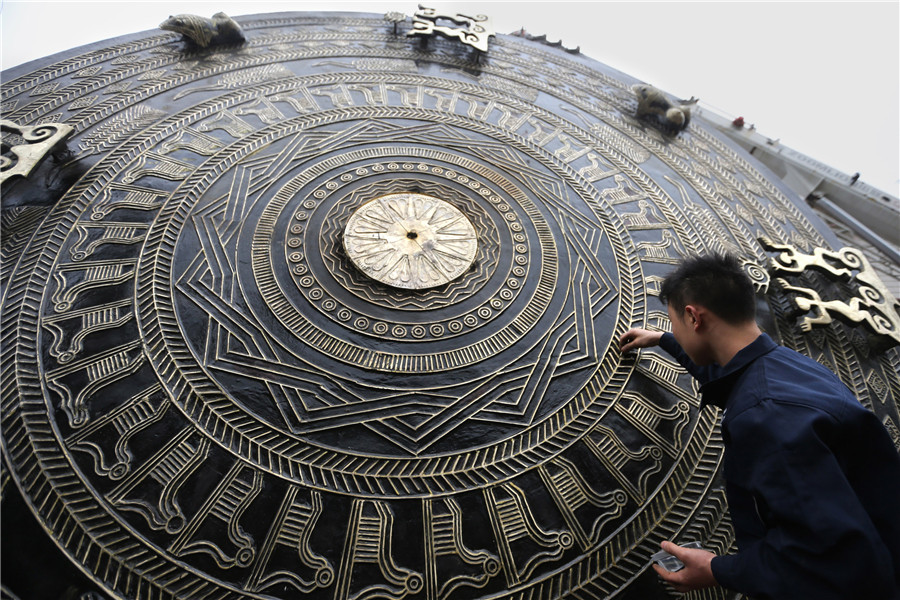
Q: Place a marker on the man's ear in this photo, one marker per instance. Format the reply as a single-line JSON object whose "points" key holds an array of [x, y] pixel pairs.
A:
{"points": [[695, 316]]}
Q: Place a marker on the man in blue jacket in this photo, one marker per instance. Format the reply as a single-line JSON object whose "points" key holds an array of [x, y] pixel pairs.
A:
{"points": [[812, 477]]}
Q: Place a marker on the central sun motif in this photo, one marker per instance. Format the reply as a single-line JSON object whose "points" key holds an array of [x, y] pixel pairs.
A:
{"points": [[410, 241]]}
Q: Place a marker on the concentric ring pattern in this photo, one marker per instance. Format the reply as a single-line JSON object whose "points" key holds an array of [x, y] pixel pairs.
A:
{"points": [[205, 396]]}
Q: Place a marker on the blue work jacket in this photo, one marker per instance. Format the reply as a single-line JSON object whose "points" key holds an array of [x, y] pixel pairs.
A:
{"points": [[812, 479]]}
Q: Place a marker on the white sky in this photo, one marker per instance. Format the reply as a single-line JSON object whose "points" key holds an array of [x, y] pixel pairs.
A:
{"points": [[821, 77]]}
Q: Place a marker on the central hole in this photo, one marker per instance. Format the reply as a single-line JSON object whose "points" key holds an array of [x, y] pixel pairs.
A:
{"points": [[412, 235]]}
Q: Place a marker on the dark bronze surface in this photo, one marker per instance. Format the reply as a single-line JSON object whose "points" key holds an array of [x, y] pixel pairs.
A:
{"points": [[203, 397]]}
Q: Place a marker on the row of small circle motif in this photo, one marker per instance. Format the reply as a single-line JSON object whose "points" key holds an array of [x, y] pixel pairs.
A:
{"points": [[448, 173], [329, 305], [362, 323]]}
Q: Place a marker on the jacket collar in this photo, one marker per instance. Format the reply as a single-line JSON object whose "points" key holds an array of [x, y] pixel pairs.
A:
{"points": [[718, 388]]}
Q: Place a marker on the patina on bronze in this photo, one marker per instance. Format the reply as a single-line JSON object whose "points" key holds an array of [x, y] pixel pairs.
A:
{"points": [[208, 391]]}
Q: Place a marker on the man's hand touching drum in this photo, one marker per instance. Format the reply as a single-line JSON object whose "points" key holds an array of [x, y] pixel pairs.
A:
{"points": [[638, 338]]}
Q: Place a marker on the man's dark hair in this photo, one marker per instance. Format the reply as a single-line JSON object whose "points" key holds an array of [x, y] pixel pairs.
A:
{"points": [[716, 282]]}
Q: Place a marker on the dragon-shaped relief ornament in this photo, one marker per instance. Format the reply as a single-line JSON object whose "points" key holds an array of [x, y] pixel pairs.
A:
{"points": [[874, 306]]}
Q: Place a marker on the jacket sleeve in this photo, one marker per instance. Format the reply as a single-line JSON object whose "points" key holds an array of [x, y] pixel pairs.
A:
{"points": [[668, 343], [817, 541]]}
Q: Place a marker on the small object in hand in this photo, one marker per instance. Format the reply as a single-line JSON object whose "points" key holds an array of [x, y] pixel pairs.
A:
{"points": [[669, 562]]}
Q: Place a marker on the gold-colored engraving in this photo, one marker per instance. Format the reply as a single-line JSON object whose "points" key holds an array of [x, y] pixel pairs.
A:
{"points": [[204, 396], [117, 88], [292, 528], [658, 251], [117, 196], [193, 140], [451, 565], [151, 490], [157, 165], [570, 150], [410, 241], [598, 169], [75, 280], [658, 320], [264, 110], [50, 119], [88, 72], [625, 191], [758, 276], [717, 237], [539, 136], [17, 225], [45, 88], [241, 78], [20, 159], [632, 469], [647, 217], [878, 385], [580, 503], [713, 524], [82, 323], [875, 306], [110, 133], [398, 65], [892, 430], [228, 122], [653, 284], [370, 541], [524, 544], [670, 375], [83, 102], [92, 236], [77, 381], [223, 509], [338, 94], [299, 99], [648, 418], [116, 429]]}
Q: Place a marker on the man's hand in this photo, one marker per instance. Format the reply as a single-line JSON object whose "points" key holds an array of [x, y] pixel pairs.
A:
{"points": [[638, 338], [697, 572]]}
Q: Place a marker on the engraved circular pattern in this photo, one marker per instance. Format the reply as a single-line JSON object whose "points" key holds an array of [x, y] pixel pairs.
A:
{"points": [[464, 316], [354, 282], [178, 437], [335, 275], [410, 241], [431, 441]]}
